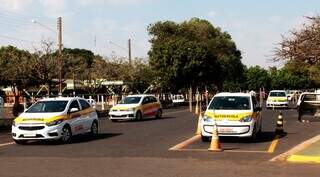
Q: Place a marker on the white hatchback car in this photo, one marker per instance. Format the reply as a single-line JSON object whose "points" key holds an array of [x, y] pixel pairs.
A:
{"points": [[55, 119], [235, 114]]}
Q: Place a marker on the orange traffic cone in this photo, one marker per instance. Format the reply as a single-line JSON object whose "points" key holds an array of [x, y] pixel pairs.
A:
{"points": [[198, 132], [215, 143]]}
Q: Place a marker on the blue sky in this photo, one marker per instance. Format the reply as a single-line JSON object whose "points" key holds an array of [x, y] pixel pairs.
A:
{"points": [[255, 26]]}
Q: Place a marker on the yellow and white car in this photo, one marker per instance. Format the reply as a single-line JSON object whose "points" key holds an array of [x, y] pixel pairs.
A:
{"points": [[277, 99], [55, 119], [136, 107], [235, 114]]}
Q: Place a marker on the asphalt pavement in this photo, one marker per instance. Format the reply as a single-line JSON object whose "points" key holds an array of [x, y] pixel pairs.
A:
{"points": [[141, 148]]}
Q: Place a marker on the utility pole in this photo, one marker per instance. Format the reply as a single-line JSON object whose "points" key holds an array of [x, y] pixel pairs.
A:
{"points": [[129, 48], [59, 28]]}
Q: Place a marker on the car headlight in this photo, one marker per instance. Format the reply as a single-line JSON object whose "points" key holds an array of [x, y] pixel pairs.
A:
{"points": [[131, 109], [55, 122], [207, 119], [246, 119]]}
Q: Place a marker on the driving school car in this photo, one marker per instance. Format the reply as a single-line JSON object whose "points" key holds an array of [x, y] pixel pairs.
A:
{"points": [[136, 107], [235, 114], [55, 119], [277, 99]]}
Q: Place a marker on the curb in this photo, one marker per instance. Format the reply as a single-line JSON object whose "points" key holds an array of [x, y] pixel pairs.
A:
{"points": [[304, 159], [299, 147]]}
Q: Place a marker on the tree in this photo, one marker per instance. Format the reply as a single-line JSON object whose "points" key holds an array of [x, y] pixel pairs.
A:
{"points": [[77, 64], [44, 65], [256, 78], [291, 76], [303, 45], [192, 53], [15, 72]]}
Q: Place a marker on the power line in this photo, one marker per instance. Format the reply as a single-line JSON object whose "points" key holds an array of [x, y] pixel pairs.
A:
{"points": [[17, 39]]}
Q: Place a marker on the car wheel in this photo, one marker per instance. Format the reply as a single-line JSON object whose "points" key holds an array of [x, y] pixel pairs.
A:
{"points": [[20, 142], [94, 129], [253, 137], [159, 114], [66, 135], [138, 115], [205, 138]]}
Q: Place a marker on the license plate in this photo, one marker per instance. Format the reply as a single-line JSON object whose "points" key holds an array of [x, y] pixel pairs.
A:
{"points": [[30, 134], [225, 130]]}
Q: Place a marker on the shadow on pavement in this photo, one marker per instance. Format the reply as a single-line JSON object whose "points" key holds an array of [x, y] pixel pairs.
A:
{"points": [[261, 138], [77, 139], [144, 120]]}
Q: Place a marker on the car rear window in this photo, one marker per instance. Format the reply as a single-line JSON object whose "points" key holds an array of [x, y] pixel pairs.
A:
{"points": [[230, 103], [48, 106]]}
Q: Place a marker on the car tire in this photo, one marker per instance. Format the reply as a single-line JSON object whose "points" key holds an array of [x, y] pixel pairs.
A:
{"points": [[94, 130], [159, 114], [205, 138], [20, 142], [139, 116], [66, 135], [253, 137]]}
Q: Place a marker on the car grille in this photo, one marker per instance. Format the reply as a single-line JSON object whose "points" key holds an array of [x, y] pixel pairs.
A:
{"points": [[31, 128]]}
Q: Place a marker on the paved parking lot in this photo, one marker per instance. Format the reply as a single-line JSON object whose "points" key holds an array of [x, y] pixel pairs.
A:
{"points": [[141, 148]]}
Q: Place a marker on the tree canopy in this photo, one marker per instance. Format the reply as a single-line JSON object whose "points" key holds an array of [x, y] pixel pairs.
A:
{"points": [[193, 53]]}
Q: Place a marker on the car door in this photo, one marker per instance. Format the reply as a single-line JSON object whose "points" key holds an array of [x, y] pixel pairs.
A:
{"points": [[86, 114], [75, 117], [256, 114], [146, 107]]}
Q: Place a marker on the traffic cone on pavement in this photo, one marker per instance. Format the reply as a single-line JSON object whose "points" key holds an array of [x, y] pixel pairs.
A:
{"points": [[215, 143], [198, 132], [279, 128]]}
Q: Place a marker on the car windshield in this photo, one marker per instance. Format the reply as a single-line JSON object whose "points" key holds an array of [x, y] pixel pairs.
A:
{"points": [[278, 94], [130, 100], [230, 103], [48, 106]]}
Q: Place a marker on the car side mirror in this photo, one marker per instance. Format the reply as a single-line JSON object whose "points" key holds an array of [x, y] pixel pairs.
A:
{"points": [[257, 109], [74, 110]]}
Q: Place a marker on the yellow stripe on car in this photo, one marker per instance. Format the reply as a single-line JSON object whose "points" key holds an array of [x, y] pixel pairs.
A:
{"points": [[232, 117]]}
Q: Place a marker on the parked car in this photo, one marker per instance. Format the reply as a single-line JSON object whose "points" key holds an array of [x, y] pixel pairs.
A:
{"points": [[136, 107], [277, 99], [235, 114], [178, 99], [55, 119], [308, 105]]}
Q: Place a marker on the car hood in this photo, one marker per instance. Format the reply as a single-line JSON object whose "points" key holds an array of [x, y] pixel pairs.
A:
{"points": [[232, 115], [38, 117], [123, 107], [277, 98]]}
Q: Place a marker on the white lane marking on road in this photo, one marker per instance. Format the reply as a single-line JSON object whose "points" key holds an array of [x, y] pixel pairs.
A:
{"points": [[6, 144], [175, 112], [185, 143]]}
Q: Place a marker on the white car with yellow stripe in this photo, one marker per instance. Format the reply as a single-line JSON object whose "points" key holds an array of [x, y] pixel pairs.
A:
{"points": [[55, 119], [235, 114], [136, 107], [277, 99]]}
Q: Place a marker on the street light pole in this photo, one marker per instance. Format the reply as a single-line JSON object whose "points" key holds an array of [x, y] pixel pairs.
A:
{"points": [[129, 50], [59, 28]]}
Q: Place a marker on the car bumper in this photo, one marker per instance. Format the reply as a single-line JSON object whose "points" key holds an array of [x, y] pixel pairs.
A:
{"points": [[122, 115], [36, 132], [231, 128], [277, 104]]}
